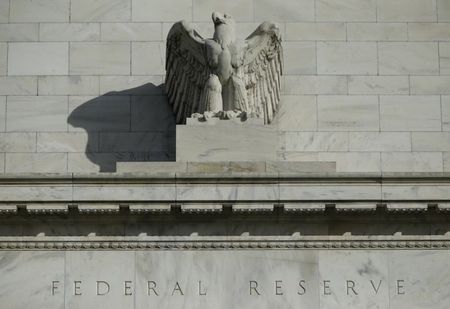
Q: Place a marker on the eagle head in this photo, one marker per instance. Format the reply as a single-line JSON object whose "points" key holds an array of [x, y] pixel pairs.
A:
{"points": [[224, 29]]}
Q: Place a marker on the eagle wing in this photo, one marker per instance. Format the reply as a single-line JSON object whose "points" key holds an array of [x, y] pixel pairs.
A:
{"points": [[186, 70], [263, 62]]}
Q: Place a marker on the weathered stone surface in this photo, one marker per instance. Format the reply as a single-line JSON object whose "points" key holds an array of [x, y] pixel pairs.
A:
{"points": [[346, 10], [100, 10], [423, 113], [37, 113], [407, 10], [39, 11], [69, 32], [408, 58], [377, 32], [99, 58], [348, 113], [315, 31], [38, 58], [346, 58]]}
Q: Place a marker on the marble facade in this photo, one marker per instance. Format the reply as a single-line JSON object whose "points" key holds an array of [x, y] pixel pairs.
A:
{"points": [[342, 202]]}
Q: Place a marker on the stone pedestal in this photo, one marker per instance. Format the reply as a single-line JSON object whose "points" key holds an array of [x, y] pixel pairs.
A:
{"points": [[226, 140]]}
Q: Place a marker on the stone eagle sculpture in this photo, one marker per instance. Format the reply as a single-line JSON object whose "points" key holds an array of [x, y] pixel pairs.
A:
{"points": [[221, 76]]}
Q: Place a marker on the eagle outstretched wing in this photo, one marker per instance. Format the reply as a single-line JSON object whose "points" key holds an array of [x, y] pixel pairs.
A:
{"points": [[263, 61], [186, 70]]}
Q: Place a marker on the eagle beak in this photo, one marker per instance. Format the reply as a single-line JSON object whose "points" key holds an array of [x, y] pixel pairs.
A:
{"points": [[216, 18]]}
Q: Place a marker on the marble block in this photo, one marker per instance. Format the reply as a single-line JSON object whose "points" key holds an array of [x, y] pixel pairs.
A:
{"points": [[226, 140]]}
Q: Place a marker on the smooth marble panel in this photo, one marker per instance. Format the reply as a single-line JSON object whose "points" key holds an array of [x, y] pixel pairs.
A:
{"points": [[415, 192], [66, 142], [411, 162], [348, 113], [408, 58], [144, 10], [426, 286], [222, 286], [315, 32], [18, 142], [444, 54], [36, 113], [26, 279], [380, 141], [446, 156], [39, 11], [443, 10], [36, 162], [38, 58], [18, 85], [132, 85], [152, 113], [290, 11], [346, 10], [378, 85], [2, 113], [377, 32], [313, 84], [429, 32], [312, 192], [3, 58], [131, 32], [445, 102], [347, 58], [69, 32], [68, 85], [353, 162], [124, 193], [186, 192], [241, 10], [431, 141], [295, 65], [99, 58], [297, 113], [148, 58], [99, 114], [316, 141], [226, 142], [430, 84], [406, 10], [4, 11], [36, 193], [356, 279], [89, 267], [410, 113], [100, 10], [18, 32]]}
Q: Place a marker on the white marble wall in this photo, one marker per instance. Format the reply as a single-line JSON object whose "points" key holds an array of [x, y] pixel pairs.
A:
{"points": [[381, 279], [367, 82]]}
